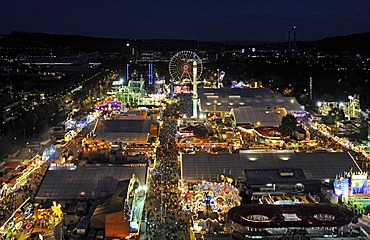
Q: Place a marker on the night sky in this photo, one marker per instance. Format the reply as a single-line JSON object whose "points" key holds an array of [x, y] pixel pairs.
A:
{"points": [[205, 20]]}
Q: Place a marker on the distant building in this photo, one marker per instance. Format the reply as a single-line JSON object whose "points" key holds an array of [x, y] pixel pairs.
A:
{"points": [[9, 110]]}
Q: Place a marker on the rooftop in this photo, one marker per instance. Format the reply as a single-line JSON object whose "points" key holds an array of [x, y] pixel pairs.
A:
{"points": [[128, 131], [319, 165], [265, 117], [90, 181], [225, 99]]}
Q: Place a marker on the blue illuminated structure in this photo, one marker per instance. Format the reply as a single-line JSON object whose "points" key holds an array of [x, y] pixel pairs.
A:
{"points": [[127, 72], [171, 90], [82, 124], [89, 118], [70, 124], [150, 73], [48, 154]]}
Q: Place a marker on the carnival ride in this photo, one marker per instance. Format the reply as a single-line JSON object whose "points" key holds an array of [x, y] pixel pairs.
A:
{"points": [[351, 109], [270, 132], [109, 105], [29, 218], [354, 190], [186, 67], [213, 197], [132, 93], [209, 202], [181, 67], [135, 197]]}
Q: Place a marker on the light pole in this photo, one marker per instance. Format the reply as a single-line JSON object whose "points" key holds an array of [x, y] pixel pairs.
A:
{"points": [[161, 199], [218, 78], [310, 88]]}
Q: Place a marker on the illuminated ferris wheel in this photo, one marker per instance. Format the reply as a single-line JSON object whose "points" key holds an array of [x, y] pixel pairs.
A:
{"points": [[181, 67]]}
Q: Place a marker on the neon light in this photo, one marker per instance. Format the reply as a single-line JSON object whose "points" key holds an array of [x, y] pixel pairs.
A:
{"points": [[109, 105], [150, 73]]}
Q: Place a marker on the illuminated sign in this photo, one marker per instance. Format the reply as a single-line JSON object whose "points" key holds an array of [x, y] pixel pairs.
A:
{"points": [[341, 187], [134, 165], [68, 166], [181, 89], [291, 217], [117, 83], [360, 186]]}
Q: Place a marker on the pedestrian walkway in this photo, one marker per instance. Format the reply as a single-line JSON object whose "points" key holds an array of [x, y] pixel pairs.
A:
{"points": [[165, 217]]}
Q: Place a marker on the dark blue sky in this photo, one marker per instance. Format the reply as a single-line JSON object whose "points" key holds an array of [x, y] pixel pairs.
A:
{"points": [[216, 20]]}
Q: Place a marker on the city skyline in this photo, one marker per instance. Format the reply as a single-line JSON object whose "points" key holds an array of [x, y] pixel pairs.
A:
{"points": [[218, 20]]}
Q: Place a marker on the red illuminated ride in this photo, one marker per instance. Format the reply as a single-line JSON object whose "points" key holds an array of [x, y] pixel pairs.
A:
{"points": [[109, 105]]}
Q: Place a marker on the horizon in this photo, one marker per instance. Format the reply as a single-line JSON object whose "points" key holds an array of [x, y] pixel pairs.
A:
{"points": [[167, 39], [219, 21]]}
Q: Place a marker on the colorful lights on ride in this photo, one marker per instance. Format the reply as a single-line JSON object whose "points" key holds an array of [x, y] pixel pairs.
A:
{"points": [[109, 105], [220, 196]]}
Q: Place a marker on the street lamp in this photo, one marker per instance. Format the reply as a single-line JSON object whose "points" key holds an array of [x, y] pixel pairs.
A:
{"points": [[161, 199], [15, 138]]}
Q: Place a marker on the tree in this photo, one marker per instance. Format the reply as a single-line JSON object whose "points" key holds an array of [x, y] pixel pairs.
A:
{"points": [[200, 131], [30, 118], [336, 115], [289, 124]]}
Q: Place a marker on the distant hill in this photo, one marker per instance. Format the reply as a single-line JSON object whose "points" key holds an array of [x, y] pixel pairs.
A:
{"points": [[75, 43], [78, 43], [355, 43]]}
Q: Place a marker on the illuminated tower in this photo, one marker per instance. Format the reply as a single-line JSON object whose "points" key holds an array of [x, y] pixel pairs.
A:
{"points": [[195, 89], [127, 72], [150, 73], [289, 46], [310, 88], [294, 38]]}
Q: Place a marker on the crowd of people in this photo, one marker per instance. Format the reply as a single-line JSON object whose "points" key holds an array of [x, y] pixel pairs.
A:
{"points": [[13, 196], [166, 220], [8, 206], [328, 142]]}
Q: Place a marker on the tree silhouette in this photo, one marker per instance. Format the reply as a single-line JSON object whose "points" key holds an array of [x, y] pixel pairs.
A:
{"points": [[289, 124], [336, 115], [200, 131]]}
